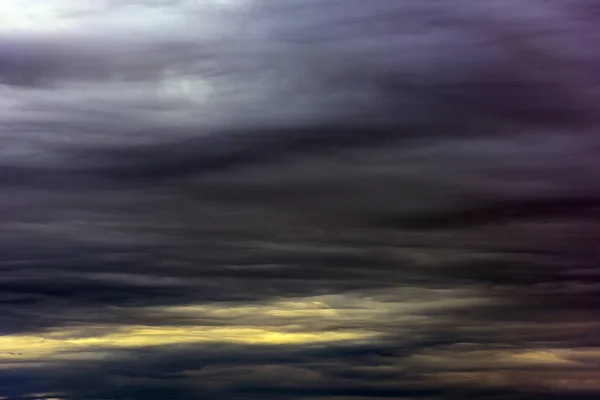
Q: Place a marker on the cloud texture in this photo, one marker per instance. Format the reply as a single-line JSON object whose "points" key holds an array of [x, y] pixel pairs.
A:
{"points": [[299, 199]]}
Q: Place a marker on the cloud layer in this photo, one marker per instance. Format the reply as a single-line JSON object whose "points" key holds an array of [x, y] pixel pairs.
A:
{"points": [[299, 199]]}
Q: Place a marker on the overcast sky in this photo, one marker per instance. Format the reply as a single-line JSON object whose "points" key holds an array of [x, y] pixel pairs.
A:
{"points": [[299, 200]]}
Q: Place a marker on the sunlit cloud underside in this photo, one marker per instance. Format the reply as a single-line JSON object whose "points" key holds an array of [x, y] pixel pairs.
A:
{"points": [[287, 322], [317, 319]]}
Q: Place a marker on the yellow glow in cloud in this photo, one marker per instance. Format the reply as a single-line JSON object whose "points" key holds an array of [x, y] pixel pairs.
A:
{"points": [[294, 308], [539, 357], [32, 347], [288, 321], [267, 323]]}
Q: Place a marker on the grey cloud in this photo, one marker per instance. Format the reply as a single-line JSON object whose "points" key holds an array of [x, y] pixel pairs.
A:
{"points": [[427, 170], [246, 372], [269, 57]]}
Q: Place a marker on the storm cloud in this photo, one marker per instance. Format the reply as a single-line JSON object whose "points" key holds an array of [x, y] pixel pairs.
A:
{"points": [[299, 199]]}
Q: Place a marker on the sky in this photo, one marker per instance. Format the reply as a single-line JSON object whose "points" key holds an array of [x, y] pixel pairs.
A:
{"points": [[299, 200]]}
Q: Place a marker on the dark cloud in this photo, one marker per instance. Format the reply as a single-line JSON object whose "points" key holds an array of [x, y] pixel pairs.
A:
{"points": [[275, 372], [299, 200]]}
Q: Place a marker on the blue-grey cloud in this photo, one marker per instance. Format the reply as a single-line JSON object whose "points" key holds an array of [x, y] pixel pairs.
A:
{"points": [[299, 199]]}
